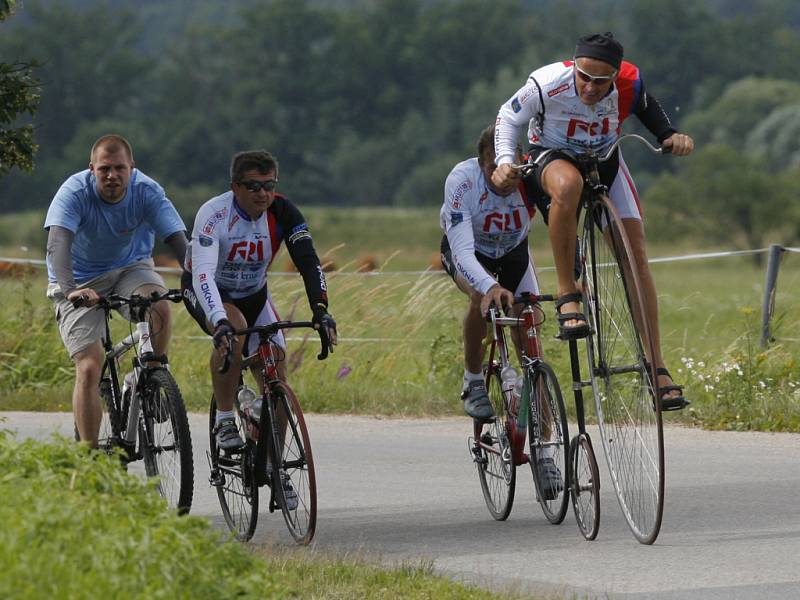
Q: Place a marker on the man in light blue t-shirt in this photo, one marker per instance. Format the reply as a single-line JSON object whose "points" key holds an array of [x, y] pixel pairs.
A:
{"points": [[101, 227]]}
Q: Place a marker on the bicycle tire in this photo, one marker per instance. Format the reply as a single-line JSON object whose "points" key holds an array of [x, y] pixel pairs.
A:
{"points": [[236, 489], [628, 415], [548, 415], [584, 485], [494, 457], [165, 441], [297, 463]]}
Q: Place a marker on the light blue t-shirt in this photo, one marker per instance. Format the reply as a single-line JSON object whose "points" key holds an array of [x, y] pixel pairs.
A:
{"points": [[111, 236]]}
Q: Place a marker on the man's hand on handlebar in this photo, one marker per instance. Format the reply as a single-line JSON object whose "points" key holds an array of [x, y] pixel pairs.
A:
{"points": [[83, 297], [498, 295], [223, 336], [679, 144], [506, 178], [323, 319]]}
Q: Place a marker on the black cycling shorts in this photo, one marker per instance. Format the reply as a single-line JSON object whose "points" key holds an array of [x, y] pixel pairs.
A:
{"points": [[533, 182], [508, 269], [251, 306]]}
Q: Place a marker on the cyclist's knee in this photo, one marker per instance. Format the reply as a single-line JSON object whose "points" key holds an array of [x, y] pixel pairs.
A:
{"points": [[162, 312], [88, 364], [235, 316], [565, 188]]}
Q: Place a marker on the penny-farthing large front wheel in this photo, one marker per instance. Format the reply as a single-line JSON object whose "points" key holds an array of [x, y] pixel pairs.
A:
{"points": [[629, 417]]}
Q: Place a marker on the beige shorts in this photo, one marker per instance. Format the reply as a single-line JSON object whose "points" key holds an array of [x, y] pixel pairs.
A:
{"points": [[82, 327]]}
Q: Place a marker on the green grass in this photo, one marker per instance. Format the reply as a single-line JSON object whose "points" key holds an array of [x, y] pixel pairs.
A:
{"points": [[400, 352], [75, 525]]}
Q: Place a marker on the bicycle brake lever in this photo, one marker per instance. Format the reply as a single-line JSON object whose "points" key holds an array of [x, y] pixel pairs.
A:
{"points": [[325, 341], [79, 301]]}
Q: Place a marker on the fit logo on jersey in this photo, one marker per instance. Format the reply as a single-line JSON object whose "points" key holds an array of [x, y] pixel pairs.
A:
{"points": [[502, 221], [247, 251], [585, 126]]}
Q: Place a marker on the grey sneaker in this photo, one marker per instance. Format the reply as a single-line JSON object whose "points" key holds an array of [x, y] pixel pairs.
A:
{"points": [[476, 401], [227, 435], [549, 478], [289, 495]]}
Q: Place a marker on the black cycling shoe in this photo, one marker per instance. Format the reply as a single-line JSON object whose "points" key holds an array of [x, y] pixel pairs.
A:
{"points": [[549, 478], [476, 401], [227, 436]]}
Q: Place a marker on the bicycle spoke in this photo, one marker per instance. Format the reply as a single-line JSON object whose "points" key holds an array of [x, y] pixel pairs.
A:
{"points": [[630, 424]]}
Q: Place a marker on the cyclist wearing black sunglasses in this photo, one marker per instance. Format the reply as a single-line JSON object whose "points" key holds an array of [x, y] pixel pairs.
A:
{"points": [[581, 104], [235, 238]]}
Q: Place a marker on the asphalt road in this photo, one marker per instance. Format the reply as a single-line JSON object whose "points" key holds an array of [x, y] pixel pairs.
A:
{"points": [[406, 490]]}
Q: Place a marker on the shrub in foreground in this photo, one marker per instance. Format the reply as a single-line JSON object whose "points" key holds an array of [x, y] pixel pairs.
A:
{"points": [[75, 525]]}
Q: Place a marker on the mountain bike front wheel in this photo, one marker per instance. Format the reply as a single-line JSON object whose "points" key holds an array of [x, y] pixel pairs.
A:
{"points": [[164, 439]]}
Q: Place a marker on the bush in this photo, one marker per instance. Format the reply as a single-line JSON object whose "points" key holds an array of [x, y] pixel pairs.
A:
{"points": [[75, 525]]}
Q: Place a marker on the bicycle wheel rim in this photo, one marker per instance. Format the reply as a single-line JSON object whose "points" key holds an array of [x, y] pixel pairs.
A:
{"points": [[237, 493], [494, 456], [167, 439], [548, 436], [585, 486], [297, 462], [628, 416]]}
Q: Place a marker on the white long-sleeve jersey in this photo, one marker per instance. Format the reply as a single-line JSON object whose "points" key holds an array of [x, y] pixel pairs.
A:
{"points": [[476, 219]]}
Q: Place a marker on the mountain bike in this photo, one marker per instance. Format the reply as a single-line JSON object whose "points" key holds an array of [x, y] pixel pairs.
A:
{"points": [[529, 406], [145, 417], [277, 450], [619, 351]]}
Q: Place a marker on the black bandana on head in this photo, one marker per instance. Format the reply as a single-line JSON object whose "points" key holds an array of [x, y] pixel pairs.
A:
{"points": [[600, 46]]}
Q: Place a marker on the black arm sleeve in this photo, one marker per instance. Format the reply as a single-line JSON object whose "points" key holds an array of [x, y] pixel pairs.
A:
{"points": [[59, 251], [177, 241], [653, 116], [301, 250]]}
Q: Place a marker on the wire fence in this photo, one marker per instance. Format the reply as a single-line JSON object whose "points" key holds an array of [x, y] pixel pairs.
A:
{"points": [[776, 253]]}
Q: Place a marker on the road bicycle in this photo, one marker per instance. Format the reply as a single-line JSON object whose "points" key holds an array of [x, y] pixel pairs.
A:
{"points": [[527, 405], [622, 377], [145, 417], [275, 435]]}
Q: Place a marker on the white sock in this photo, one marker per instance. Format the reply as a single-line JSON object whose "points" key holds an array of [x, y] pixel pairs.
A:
{"points": [[223, 414], [547, 452], [470, 377]]}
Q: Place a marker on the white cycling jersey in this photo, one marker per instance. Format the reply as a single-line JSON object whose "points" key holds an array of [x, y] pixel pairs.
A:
{"points": [[230, 251], [477, 219], [549, 105]]}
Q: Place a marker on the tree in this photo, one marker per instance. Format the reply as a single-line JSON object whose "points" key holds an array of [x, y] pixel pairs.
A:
{"points": [[724, 195], [19, 94], [739, 110]]}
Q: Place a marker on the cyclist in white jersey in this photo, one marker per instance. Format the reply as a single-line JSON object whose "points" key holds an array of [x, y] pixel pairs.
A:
{"points": [[581, 104], [235, 238], [485, 251]]}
